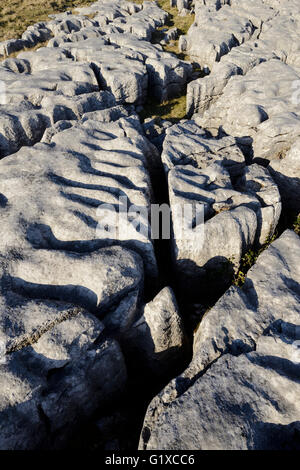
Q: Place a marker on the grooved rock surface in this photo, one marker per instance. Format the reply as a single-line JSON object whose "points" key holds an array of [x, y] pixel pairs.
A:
{"points": [[85, 58], [59, 257], [240, 390], [188, 144], [51, 384], [228, 220], [252, 90]]}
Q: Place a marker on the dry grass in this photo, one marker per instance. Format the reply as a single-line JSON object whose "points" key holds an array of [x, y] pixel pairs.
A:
{"points": [[17, 15], [173, 110], [182, 23]]}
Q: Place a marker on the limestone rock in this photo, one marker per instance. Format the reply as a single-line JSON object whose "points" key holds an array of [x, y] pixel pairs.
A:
{"points": [[156, 341], [257, 181], [214, 34], [215, 223], [53, 380], [240, 390], [286, 172], [256, 112], [187, 144], [64, 190]]}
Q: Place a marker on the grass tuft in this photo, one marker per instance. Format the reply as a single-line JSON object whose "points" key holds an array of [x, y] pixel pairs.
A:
{"points": [[249, 259], [182, 23], [173, 110], [296, 225]]}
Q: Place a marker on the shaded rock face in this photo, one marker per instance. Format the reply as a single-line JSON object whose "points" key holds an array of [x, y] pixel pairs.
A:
{"points": [[71, 286], [72, 279], [89, 325], [58, 362], [50, 387], [286, 173], [240, 390], [66, 292], [157, 339], [209, 38]]}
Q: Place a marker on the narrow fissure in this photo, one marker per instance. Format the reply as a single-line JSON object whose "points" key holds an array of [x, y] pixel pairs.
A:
{"points": [[121, 425]]}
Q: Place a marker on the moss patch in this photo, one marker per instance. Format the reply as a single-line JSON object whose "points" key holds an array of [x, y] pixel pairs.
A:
{"points": [[249, 259], [182, 23], [172, 110], [296, 225]]}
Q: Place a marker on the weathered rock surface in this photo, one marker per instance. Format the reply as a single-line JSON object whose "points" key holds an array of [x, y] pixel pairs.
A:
{"points": [[56, 261], [156, 341], [257, 113], [167, 74], [155, 131], [286, 172], [39, 32], [258, 182], [239, 97], [202, 93], [215, 33], [188, 144], [240, 391], [111, 52], [79, 277], [55, 378], [66, 182], [226, 222]]}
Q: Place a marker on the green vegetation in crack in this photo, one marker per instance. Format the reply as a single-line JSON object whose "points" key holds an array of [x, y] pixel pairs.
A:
{"points": [[19, 14], [182, 23], [296, 225], [248, 260], [172, 110]]}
